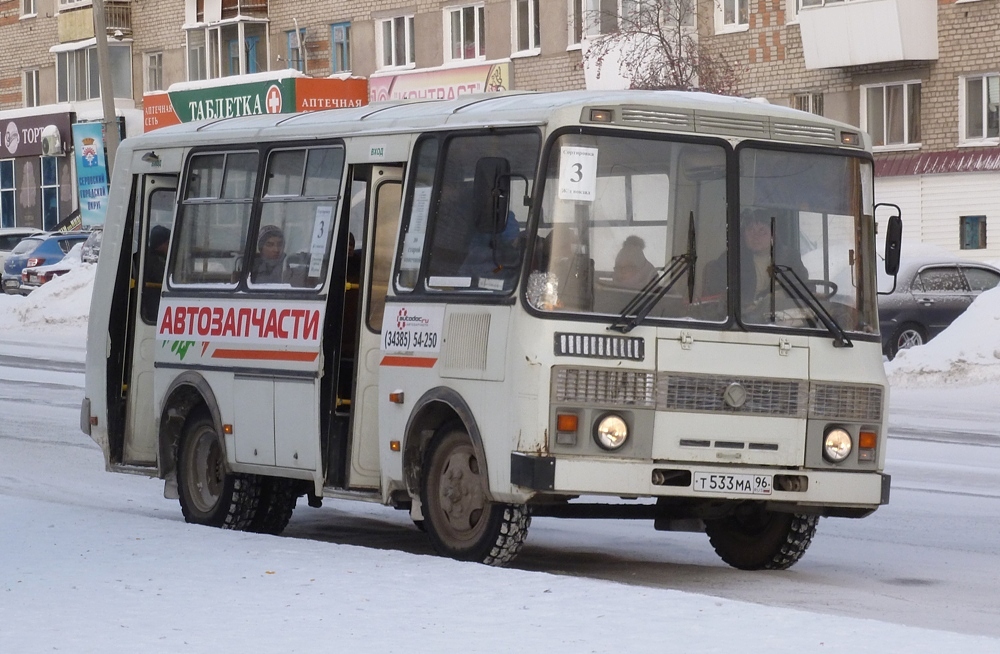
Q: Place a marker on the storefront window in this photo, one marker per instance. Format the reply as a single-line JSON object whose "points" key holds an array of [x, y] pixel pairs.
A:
{"points": [[7, 191], [50, 193]]}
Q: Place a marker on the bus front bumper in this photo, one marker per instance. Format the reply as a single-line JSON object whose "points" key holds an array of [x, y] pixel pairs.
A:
{"points": [[800, 486]]}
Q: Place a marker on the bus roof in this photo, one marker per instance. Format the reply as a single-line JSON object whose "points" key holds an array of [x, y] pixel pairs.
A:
{"points": [[674, 111]]}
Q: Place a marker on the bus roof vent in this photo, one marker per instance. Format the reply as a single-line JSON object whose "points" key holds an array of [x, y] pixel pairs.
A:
{"points": [[680, 120], [803, 132], [735, 125]]}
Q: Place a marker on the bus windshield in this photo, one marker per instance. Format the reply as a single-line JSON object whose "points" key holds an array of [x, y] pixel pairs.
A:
{"points": [[806, 240], [636, 229]]}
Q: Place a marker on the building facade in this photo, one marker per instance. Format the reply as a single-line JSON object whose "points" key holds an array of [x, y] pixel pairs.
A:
{"points": [[921, 76]]}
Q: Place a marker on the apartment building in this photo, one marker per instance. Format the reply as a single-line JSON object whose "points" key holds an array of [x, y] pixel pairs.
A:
{"points": [[922, 76]]}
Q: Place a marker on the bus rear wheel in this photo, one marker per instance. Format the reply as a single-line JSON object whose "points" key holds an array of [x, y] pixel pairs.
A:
{"points": [[754, 538], [460, 520], [277, 503], [209, 494]]}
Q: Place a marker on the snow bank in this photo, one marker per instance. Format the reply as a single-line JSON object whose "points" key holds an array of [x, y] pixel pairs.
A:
{"points": [[967, 352], [56, 309]]}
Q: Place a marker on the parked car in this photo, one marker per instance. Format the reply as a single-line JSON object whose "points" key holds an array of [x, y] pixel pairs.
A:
{"points": [[92, 246], [35, 276], [11, 236], [36, 251], [930, 293]]}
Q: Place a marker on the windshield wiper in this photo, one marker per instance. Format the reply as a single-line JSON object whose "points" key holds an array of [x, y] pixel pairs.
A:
{"points": [[794, 285], [650, 294], [647, 297]]}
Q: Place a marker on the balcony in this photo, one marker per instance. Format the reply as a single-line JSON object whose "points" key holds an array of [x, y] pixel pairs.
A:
{"points": [[76, 21], [118, 16], [859, 32]]}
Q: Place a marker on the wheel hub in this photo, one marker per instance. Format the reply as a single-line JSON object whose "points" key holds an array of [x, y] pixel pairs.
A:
{"points": [[462, 499]]}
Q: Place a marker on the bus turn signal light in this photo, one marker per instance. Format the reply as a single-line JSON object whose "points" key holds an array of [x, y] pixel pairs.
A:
{"points": [[566, 422], [866, 445]]}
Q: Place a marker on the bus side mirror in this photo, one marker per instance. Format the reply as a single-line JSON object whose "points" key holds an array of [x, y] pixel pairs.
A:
{"points": [[893, 240], [491, 194]]}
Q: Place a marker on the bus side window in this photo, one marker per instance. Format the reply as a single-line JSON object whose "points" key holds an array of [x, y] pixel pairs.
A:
{"points": [[213, 218], [292, 246], [476, 239], [386, 223]]}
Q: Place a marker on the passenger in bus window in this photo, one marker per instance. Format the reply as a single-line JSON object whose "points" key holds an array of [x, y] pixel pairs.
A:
{"points": [[268, 268], [632, 268]]}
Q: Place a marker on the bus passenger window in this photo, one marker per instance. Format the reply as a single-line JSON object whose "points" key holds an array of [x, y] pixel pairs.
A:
{"points": [[213, 218], [298, 208]]}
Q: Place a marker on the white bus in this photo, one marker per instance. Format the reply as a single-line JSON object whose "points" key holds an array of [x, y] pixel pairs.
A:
{"points": [[624, 305]]}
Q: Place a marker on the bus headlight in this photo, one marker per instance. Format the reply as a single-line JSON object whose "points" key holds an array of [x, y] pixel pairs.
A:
{"points": [[837, 445], [610, 431]]}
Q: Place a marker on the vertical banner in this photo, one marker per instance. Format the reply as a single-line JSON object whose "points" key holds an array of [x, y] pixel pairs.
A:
{"points": [[91, 172]]}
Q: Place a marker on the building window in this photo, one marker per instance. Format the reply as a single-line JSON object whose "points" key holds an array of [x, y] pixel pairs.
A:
{"points": [[7, 193], [340, 47], [69, 4], [981, 99], [28, 8], [235, 48], [891, 114], [810, 102], [76, 73], [527, 33], [396, 42], [196, 55], [466, 32], [31, 98], [296, 49], [732, 15], [973, 232], [595, 17], [50, 193], [154, 71]]}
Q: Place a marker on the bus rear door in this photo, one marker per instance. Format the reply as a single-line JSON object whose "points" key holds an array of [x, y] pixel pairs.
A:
{"points": [[154, 201]]}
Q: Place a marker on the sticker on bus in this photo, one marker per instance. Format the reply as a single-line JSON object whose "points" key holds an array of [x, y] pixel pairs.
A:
{"points": [[412, 328], [577, 173]]}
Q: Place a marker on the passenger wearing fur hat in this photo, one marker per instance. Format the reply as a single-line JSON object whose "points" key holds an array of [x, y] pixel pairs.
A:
{"points": [[270, 264]]}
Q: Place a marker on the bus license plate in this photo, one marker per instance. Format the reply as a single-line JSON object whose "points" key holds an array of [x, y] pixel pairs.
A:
{"points": [[712, 482]]}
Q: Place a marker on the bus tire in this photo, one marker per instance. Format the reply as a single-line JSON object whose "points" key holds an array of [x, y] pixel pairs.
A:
{"points": [[461, 522], [209, 494], [754, 538], [277, 503]]}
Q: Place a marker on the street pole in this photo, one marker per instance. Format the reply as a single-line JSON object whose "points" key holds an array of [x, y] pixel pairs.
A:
{"points": [[110, 122]]}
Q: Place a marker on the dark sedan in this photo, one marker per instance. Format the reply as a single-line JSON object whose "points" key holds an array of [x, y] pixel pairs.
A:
{"points": [[929, 295], [36, 251]]}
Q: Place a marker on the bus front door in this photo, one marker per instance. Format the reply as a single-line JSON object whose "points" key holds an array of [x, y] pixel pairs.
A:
{"points": [[383, 199], [153, 209]]}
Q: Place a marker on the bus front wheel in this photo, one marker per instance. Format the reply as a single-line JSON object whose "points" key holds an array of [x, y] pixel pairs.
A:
{"points": [[754, 538], [460, 520], [209, 494]]}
